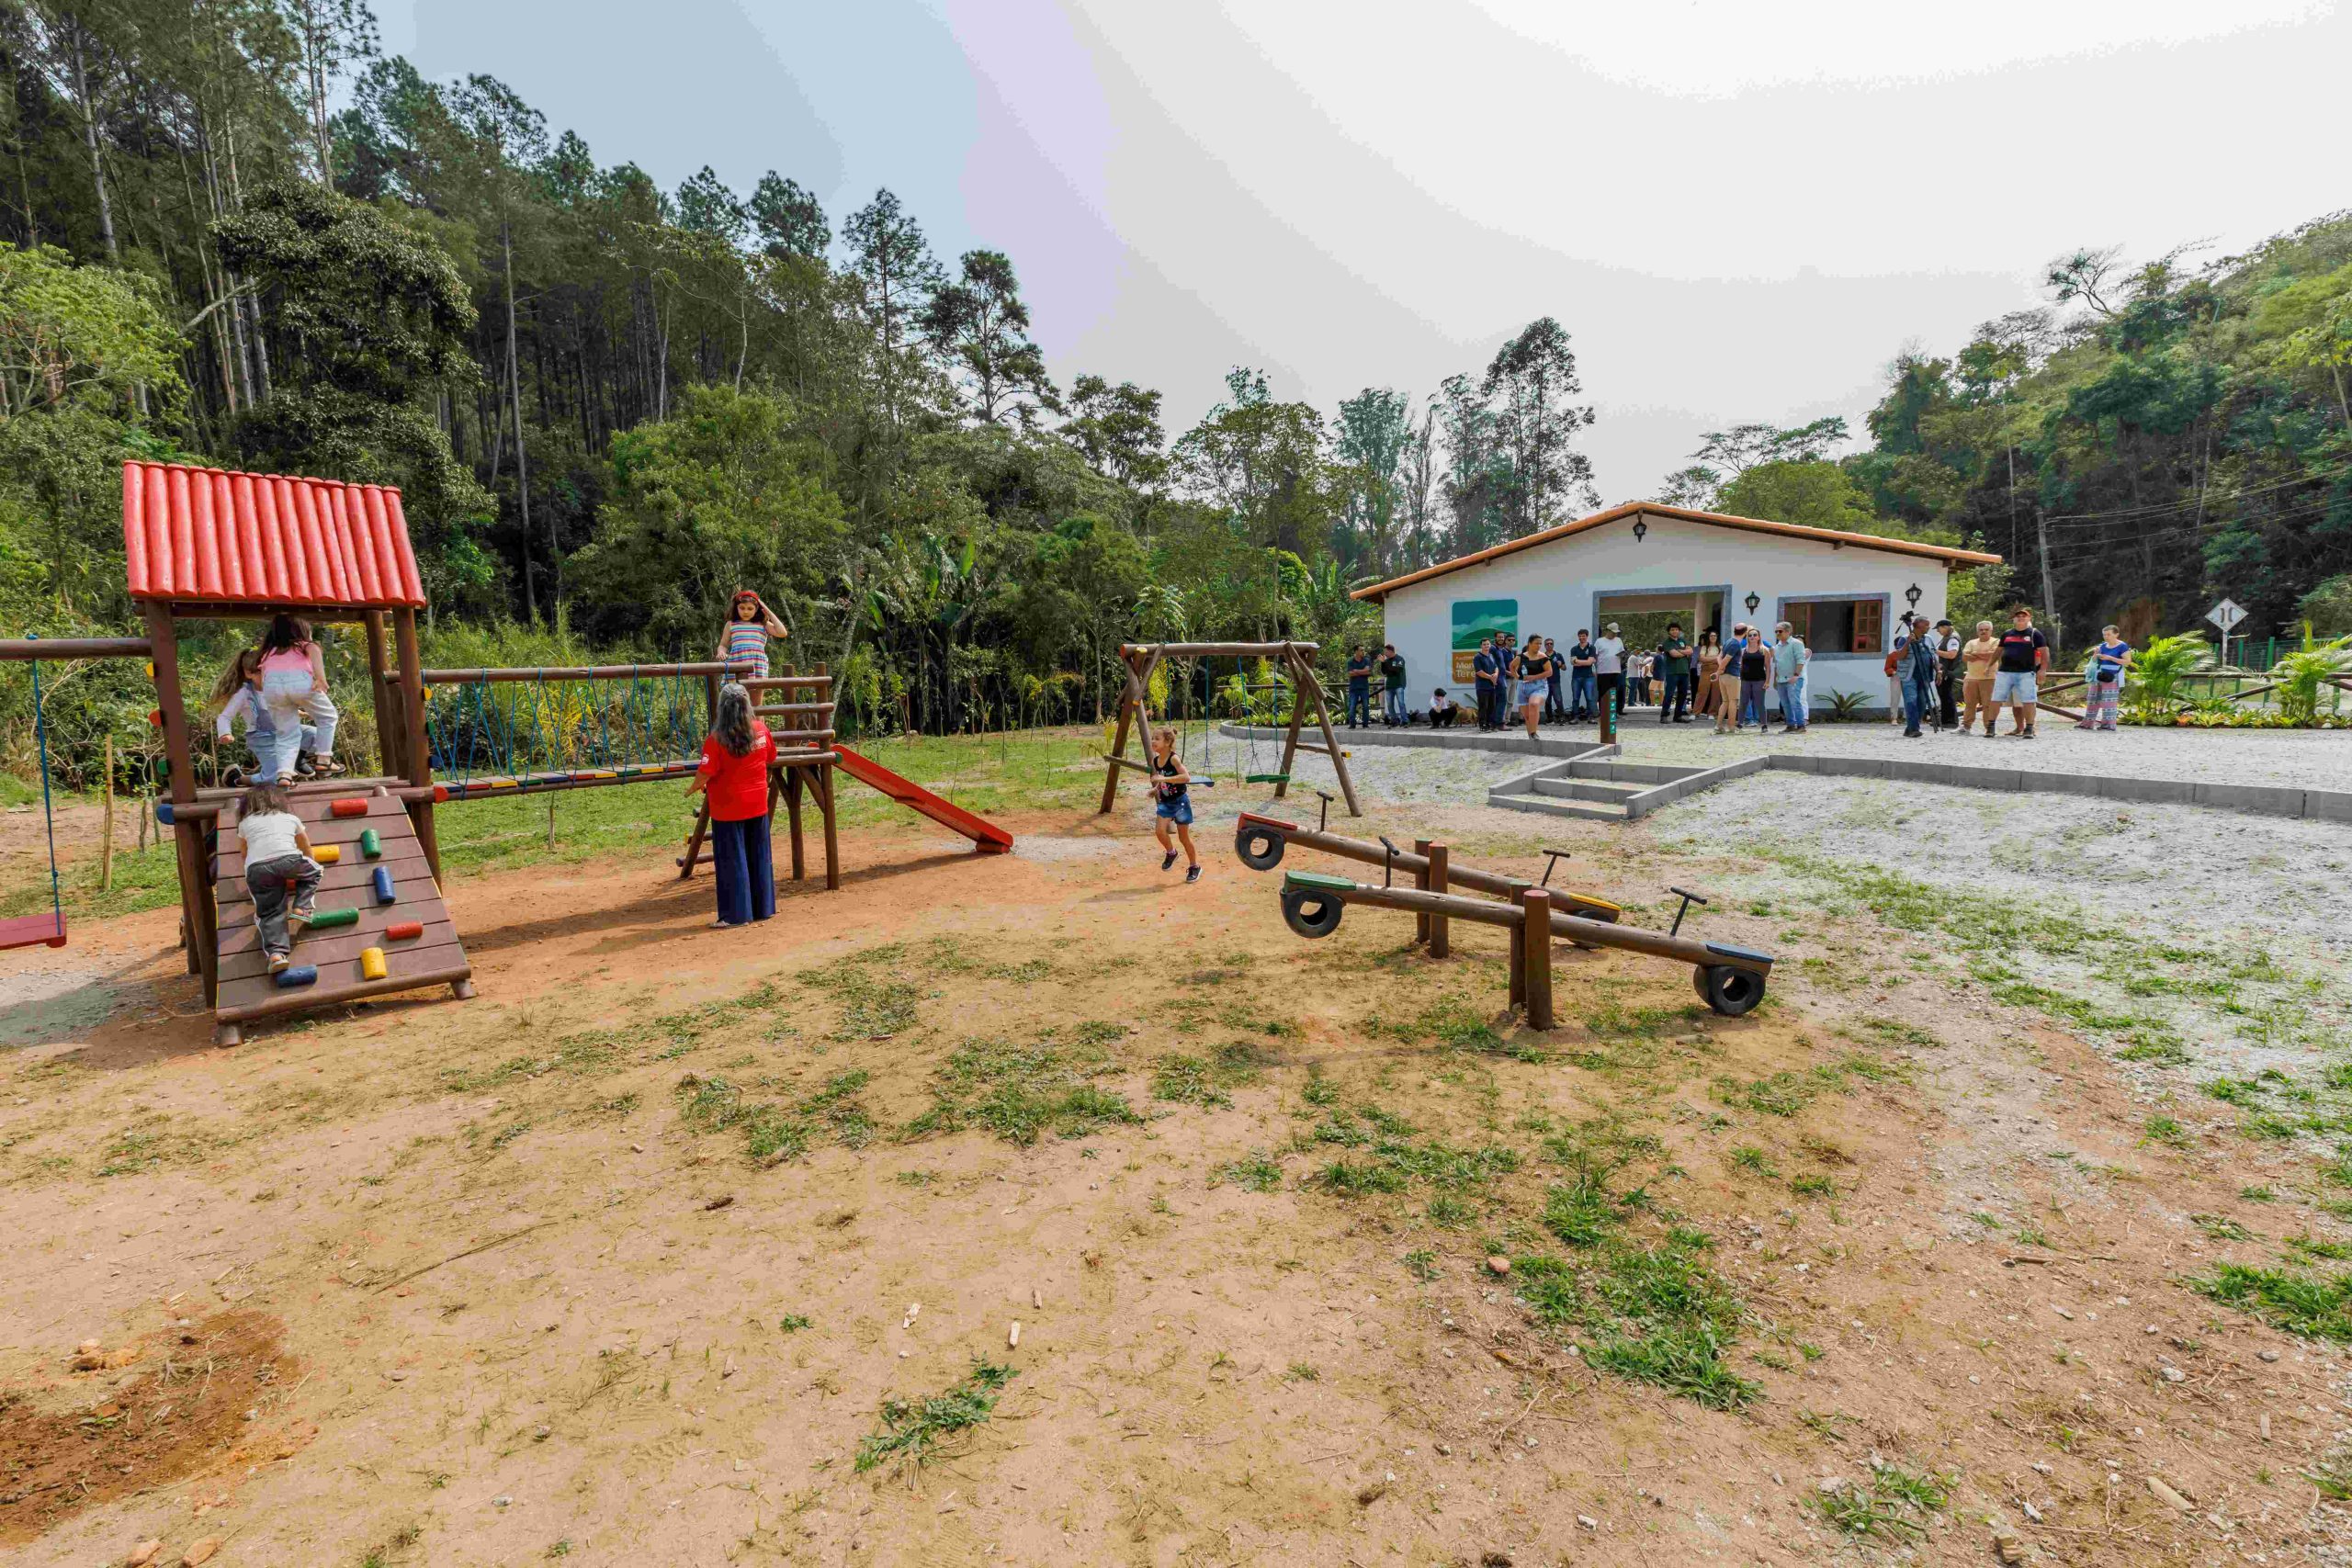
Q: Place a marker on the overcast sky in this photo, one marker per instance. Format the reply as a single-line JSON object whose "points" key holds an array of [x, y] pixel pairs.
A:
{"points": [[1740, 209]]}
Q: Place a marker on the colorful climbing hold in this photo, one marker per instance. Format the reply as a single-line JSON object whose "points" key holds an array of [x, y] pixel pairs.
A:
{"points": [[163, 812], [404, 931], [352, 805], [370, 844], [384, 893], [326, 854], [371, 963], [299, 975], [323, 919]]}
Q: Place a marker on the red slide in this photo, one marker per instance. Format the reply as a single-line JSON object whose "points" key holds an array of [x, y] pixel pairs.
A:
{"points": [[985, 836]]}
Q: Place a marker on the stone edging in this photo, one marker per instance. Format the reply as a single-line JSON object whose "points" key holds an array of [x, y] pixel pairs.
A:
{"points": [[2268, 800]]}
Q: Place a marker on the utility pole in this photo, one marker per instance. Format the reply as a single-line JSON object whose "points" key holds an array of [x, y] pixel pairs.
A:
{"points": [[2048, 597]]}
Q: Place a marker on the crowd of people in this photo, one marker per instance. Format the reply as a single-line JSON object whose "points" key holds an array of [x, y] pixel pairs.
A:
{"points": [[1746, 680]]}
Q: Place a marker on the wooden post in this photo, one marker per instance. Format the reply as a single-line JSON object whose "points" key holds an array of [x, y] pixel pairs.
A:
{"points": [[823, 784], [1535, 952], [1330, 739], [1298, 717], [792, 787], [1422, 881], [688, 861], [106, 833], [1441, 933], [1609, 717], [1135, 705], [1518, 964], [196, 880], [389, 758], [418, 756]]}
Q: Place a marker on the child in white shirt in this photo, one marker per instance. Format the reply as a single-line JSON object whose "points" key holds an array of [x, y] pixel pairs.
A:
{"points": [[277, 863]]}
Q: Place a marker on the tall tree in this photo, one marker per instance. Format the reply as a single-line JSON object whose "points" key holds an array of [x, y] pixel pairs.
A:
{"points": [[332, 36], [889, 255], [1535, 374], [1118, 430], [1375, 425], [980, 325], [790, 220], [509, 134]]}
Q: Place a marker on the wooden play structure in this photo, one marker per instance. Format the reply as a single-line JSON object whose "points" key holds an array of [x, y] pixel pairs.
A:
{"points": [[202, 543], [1730, 980], [1294, 658]]}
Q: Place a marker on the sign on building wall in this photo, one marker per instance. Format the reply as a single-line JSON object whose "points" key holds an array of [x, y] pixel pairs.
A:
{"points": [[1475, 620]]}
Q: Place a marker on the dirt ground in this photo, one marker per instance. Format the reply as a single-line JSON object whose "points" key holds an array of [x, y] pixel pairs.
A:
{"points": [[629, 1258]]}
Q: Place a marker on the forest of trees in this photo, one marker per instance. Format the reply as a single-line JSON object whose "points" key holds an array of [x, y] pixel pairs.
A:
{"points": [[233, 231]]}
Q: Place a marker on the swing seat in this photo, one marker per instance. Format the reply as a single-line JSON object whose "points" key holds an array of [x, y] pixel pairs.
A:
{"points": [[1265, 778], [46, 930]]}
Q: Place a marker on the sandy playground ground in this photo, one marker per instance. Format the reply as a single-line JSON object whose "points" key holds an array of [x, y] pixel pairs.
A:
{"points": [[683, 1247]]}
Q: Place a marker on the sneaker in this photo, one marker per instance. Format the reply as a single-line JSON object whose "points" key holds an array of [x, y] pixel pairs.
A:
{"points": [[298, 922], [2029, 735], [1191, 873], [279, 961], [1167, 860]]}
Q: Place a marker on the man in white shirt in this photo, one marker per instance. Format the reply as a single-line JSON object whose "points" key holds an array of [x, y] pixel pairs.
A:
{"points": [[1608, 670]]}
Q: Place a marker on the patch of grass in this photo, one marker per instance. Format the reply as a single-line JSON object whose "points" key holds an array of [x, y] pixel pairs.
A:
{"points": [[1319, 1090], [2166, 1131], [1893, 1504], [2314, 1305], [1420, 1263], [1448, 1213], [1193, 1080], [1301, 1371], [770, 1133], [1749, 1157], [1354, 1179], [1814, 1187], [2159, 1054], [791, 1323], [1020, 1093], [2221, 1227], [875, 1005], [2314, 1246], [2257, 1194], [911, 1428], [1258, 1173]]}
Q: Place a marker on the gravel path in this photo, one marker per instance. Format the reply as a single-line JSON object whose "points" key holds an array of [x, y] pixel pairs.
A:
{"points": [[2268, 900], [2319, 759]]}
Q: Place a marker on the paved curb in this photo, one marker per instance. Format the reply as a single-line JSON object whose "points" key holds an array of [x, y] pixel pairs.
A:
{"points": [[2261, 800]]}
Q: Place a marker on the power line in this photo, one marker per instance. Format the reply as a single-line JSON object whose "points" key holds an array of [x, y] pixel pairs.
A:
{"points": [[2313, 478]]}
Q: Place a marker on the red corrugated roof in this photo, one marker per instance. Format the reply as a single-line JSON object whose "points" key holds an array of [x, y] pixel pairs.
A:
{"points": [[214, 537]]}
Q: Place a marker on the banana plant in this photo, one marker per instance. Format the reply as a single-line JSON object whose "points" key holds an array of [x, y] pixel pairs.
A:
{"points": [[2303, 671]]}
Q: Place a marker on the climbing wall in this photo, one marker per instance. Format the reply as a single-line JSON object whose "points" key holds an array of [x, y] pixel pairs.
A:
{"points": [[429, 954]]}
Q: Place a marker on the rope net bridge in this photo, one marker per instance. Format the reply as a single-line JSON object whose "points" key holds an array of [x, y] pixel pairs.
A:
{"points": [[526, 730]]}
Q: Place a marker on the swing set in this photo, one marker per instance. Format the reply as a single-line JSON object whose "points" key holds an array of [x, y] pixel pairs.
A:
{"points": [[48, 930], [1296, 658]]}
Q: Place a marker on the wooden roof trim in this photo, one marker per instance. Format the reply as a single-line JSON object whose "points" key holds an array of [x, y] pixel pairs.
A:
{"points": [[1837, 538]]}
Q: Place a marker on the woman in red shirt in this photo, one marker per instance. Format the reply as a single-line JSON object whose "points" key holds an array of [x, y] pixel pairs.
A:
{"points": [[735, 761]]}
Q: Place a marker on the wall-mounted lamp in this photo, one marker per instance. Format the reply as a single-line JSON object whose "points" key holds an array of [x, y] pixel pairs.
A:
{"points": [[1641, 530], [1751, 601], [1911, 595]]}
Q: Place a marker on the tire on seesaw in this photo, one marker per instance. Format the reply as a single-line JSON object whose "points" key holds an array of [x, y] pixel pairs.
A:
{"points": [[1728, 990], [1260, 848], [1311, 913]]}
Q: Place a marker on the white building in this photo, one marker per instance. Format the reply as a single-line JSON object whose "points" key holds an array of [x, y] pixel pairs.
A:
{"points": [[1643, 564]]}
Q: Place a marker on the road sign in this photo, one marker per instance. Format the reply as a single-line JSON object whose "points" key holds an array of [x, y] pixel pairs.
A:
{"points": [[2226, 614]]}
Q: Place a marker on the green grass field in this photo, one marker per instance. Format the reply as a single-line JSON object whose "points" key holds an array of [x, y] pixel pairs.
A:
{"points": [[995, 774]]}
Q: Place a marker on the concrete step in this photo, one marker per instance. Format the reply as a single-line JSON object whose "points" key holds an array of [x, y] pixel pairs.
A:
{"points": [[1628, 773], [1548, 806], [1615, 793]]}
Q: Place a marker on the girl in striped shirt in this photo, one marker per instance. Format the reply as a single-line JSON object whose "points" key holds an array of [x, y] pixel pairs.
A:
{"points": [[749, 624]]}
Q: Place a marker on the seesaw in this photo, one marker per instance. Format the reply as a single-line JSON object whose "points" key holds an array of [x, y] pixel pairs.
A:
{"points": [[1730, 980]]}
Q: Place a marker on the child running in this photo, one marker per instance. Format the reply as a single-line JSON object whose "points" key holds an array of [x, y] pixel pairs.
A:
{"points": [[1172, 798], [278, 862]]}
